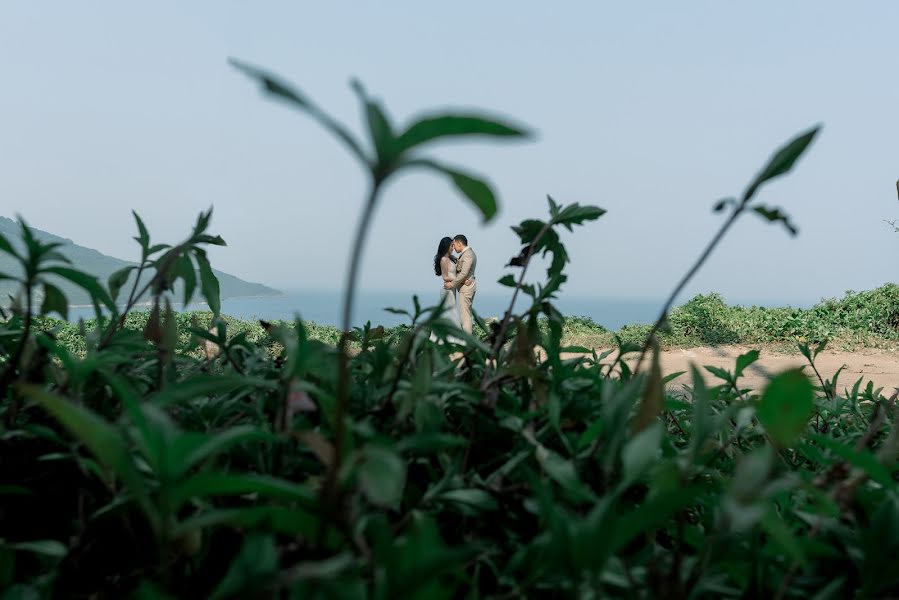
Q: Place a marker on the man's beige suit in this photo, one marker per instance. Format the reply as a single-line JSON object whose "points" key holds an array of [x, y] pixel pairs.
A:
{"points": [[465, 268]]}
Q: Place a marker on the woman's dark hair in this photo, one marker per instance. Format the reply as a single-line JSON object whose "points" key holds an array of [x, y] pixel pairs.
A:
{"points": [[442, 247]]}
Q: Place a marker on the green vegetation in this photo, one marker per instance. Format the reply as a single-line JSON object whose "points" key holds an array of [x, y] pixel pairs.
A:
{"points": [[159, 455], [858, 320], [101, 266]]}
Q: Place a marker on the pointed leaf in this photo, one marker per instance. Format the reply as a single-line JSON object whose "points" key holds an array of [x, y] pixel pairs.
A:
{"points": [[476, 190], [54, 301], [430, 128], [783, 160], [209, 283], [273, 85]]}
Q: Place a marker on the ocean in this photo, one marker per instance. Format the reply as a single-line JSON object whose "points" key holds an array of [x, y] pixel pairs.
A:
{"points": [[324, 307]]}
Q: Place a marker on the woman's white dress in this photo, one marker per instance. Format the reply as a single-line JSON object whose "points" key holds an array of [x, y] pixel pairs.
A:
{"points": [[450, 304]]}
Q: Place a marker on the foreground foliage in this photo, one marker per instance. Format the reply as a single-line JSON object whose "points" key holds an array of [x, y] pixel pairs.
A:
{"points": [[215, 464]]}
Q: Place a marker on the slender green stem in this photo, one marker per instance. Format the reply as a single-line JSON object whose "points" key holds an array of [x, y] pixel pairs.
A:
{"points": [[10, 372], [343, 379], [663, 315]]}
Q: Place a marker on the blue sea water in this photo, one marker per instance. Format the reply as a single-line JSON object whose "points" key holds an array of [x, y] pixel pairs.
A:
{"points": [[324, 307]]}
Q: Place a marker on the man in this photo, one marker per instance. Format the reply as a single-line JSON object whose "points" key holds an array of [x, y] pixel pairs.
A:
{"points": [[465, 280]]}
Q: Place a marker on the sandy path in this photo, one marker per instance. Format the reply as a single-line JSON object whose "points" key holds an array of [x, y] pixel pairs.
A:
{"points": [[879, 366]]}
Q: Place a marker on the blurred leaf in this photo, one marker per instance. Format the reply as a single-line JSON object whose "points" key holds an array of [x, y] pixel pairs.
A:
{"points": [[743, 361], [783, 160], [54, 301], [476, 190], [786, 406], [474, 498], [718, 372], [204, 385], [775, 215], [382, 476], [653, 401], [117, 281], [209, 283], [430, 128], [563, 472], [211, 483], [652, 513], [87, 282], [103, 440], [218, 443], [275, 86], [863, 460], [642, 451], [50, 548], [185, 270], [575, 214], [254, 567], [781, 534]]}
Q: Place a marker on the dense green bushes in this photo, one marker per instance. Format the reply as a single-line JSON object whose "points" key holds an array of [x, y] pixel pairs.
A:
{"points": [[160, 455]]}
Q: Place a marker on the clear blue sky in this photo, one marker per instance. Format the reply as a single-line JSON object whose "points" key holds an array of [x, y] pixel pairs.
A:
{"points": [[651, 110]]}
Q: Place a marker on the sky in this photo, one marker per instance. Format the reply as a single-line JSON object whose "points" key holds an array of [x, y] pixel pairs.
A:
{"points": [[650, 110]]}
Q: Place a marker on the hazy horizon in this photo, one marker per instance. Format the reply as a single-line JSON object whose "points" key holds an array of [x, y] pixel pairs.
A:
{"points": [[652, 114]]}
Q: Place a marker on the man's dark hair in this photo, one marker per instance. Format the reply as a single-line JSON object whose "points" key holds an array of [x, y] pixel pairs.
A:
{"points": [[461, 238]]}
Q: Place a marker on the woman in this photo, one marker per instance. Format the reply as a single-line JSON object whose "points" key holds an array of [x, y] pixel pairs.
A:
{"points": [[445, 268]]}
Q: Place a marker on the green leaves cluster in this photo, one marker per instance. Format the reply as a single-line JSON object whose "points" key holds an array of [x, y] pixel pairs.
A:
{"points": [[196, 460]]}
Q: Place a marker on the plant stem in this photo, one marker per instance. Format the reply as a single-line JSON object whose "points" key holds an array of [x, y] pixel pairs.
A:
{"points": [[504, 324], [686, 279], [343, 380], [9, 373]]}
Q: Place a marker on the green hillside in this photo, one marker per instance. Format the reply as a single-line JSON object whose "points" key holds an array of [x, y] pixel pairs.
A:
{"points": [[102, 266]]}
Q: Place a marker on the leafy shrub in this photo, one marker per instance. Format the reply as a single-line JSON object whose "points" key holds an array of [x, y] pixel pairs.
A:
{"points": [[135, 461]]}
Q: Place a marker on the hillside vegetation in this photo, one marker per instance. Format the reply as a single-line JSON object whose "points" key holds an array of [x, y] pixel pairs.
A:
{"points": [[102, 266]]}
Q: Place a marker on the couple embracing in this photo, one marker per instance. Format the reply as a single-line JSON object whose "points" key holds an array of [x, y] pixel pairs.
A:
{"points": [[457, 273]]}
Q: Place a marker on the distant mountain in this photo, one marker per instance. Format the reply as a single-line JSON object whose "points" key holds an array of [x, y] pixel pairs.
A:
{"points": [[102, 266]]}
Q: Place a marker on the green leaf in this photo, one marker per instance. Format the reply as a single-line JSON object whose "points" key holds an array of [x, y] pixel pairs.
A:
{"points": [[653, 400], [211, 483], [273, 85], [430, 128], [292, 520], [718, 372], [476, 190], [863, 460], [563, 472], [87, 282], [54, 301], [50, 548], [209, 283], [507, 280], [254, 567], [185, 270], [474, 498], [378, 127], [202, 386], [786, 406], [775, 215], [744, 360], [642, 451], [575, 214], [103, 440], [430, 442], [117, 281], [5, 246], [189, 457], [382, 476], [143, 236], [783, 160], [653, 513], [783, 537]]}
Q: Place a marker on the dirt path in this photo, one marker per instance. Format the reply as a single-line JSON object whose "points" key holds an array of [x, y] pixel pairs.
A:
{"points": [[879, 366]]}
